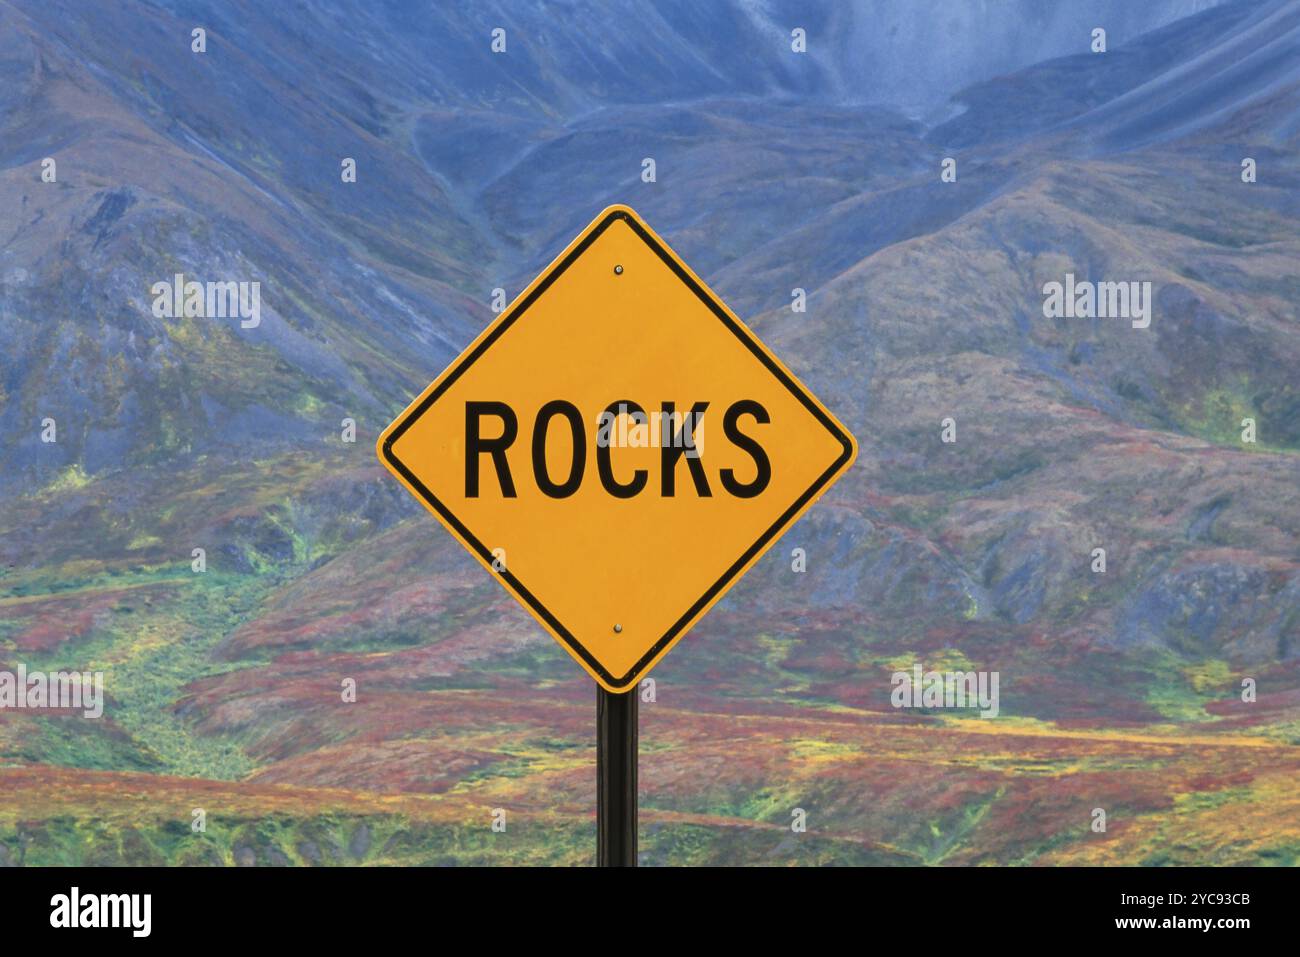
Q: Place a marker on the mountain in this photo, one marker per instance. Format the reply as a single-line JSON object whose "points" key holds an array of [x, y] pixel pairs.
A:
{"points": [[775, 171]]}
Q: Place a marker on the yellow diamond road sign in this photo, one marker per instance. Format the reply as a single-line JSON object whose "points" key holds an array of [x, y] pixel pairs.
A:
{"points": [[618, 448]]}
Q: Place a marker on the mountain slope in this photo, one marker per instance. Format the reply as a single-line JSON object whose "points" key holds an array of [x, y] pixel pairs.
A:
{"points": [[1120, 689]]}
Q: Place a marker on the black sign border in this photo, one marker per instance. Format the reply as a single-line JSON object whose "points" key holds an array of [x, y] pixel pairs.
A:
{"points": [[466, 360]]}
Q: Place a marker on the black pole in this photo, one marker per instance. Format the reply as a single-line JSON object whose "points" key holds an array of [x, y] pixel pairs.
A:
{"points": [[616, 721]]}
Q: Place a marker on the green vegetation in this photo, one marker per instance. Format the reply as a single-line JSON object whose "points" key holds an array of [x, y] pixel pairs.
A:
{"points": [[149, 654]]}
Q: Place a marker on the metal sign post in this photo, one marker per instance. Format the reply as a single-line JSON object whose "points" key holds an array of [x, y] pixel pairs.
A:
{"points": [[566, 449], [616, 757]]}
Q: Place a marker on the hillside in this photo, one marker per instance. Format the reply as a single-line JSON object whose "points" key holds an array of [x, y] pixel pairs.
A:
{"points": [[1119, 690]]}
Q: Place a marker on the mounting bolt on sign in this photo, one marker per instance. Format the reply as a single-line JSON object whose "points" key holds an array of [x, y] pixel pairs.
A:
{"points": [[633, 448]]}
